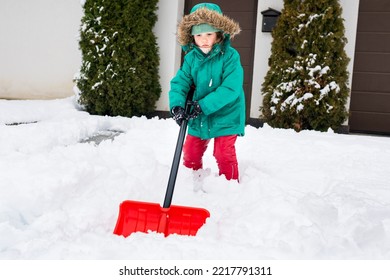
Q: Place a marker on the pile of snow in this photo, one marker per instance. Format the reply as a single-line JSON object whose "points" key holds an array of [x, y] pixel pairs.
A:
{"points": [[306, 195]]}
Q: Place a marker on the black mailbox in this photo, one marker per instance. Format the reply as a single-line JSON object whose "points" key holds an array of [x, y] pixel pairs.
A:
{"points": [[270, 17]]}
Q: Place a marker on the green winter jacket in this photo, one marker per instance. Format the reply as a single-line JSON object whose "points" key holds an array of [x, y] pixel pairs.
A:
{"points": [[218, 77]]}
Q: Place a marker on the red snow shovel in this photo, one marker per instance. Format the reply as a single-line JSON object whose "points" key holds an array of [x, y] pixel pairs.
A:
{"points": [[136, 216]]}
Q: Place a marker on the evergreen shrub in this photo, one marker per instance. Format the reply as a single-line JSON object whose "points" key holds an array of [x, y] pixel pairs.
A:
{"points": [[119, 70], [306, 86]]}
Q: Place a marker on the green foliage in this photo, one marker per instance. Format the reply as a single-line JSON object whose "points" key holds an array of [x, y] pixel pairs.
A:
{"points": [[306, 84], [119, 71]]}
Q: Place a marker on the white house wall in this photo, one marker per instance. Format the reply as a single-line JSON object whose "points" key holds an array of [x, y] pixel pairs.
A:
{"points": [[169, 14], [262, 53], [350, 14], [40, 55], [39, 49]]}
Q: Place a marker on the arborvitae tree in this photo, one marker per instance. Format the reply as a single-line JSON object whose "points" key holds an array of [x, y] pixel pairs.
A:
{"points": [[119, 71], [306, 85]]}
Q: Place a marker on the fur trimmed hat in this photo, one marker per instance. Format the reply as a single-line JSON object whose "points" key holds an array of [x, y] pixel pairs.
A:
{"points": [[209, 14]]}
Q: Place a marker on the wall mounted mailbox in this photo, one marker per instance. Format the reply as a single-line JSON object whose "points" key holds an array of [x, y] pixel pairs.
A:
{"points": [[270, 17]]}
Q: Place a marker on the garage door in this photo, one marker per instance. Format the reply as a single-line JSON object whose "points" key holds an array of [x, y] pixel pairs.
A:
{"points": [[370, 99], [244, 12]]}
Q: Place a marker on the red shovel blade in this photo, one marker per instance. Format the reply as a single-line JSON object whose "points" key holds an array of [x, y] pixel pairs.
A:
{"points": [[135, 216]]}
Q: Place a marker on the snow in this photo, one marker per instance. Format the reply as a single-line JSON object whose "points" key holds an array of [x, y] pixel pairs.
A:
{"points": [[306, 195]]}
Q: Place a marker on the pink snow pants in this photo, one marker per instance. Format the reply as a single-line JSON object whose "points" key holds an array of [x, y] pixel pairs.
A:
{"points": [[224, 153]]}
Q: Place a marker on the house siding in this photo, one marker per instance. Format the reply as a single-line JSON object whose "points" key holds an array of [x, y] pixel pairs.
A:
{"points": [[370, 96]]}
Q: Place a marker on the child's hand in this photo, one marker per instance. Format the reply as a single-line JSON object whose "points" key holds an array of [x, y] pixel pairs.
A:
{"points": [[196, 111], [178, 114]]}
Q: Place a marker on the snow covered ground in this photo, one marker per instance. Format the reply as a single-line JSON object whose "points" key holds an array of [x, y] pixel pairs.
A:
{"points": [[306, 195]]}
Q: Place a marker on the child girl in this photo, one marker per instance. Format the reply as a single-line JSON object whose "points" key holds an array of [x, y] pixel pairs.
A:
{"points": [[214, 67]]}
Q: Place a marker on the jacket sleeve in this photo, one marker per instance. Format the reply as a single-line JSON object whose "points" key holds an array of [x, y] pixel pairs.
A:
{"points": [[180, 85], [231, 87]]}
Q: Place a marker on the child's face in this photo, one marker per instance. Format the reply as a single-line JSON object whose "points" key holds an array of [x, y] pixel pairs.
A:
{"points": [[205, 41]]}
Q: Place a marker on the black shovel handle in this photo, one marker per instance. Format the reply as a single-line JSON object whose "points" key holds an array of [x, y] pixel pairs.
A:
{"points": [[178, 150]]}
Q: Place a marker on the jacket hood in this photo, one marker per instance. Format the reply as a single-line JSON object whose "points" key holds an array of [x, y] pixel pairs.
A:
{"points": [[206, 13]]}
